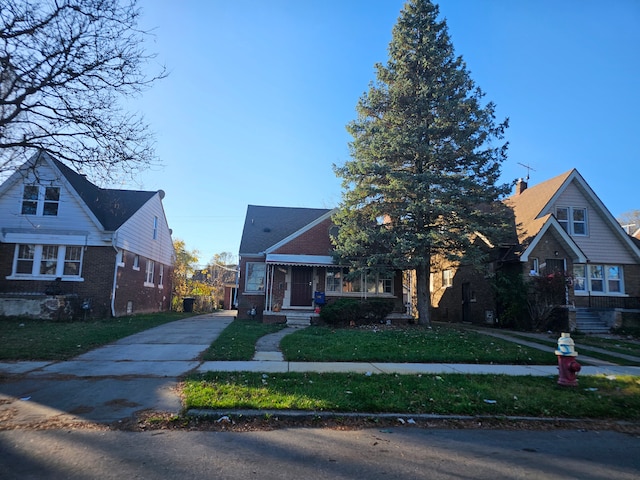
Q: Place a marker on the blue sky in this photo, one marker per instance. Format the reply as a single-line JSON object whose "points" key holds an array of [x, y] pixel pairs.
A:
{"points": [[260, 91]]}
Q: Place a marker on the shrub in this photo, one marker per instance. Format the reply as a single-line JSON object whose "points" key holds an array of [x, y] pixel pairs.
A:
{"points": [[343, 310], [346, 310]]}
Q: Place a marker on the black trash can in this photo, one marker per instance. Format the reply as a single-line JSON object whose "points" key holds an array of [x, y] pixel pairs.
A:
{"points": [[187, 304]]}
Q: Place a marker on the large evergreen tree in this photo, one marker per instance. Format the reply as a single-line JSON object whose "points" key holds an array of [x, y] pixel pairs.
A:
{"points": [[423, 175]]}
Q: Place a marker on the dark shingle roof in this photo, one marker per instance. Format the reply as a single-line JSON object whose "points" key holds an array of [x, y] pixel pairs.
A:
{"points": [[111, 207], [266, 226]]}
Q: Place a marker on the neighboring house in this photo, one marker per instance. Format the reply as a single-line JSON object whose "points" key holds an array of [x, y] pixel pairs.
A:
{"points": [[71, 249], [287, 269], [560, 225]]}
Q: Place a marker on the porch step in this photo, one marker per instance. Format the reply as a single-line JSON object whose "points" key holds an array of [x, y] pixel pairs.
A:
{"points": [[298, 319], [588, 321]]}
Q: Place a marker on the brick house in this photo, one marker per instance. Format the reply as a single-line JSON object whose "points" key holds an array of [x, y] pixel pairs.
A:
{"points": [[559, 225], [287, 268], [69, 249]]}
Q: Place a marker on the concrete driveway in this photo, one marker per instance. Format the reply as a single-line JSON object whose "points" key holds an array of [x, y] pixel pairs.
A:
{"points": [[111, 383]]}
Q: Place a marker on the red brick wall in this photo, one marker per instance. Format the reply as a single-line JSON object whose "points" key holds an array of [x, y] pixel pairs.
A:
{"points": [[97, 270], [131, 288], [315, 241]]}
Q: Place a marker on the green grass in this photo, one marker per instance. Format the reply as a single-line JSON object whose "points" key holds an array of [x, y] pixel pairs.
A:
{"points": [[611, 344], [22, 339], [238, 340], [413, 345], [608, 344], [596, 397]]}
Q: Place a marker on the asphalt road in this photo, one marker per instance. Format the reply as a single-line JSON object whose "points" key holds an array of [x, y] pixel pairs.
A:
{"points": [[398, 453]]}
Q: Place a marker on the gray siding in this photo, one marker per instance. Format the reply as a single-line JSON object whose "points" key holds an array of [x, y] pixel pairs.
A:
{"points": [[136, 234], [602, 244]]}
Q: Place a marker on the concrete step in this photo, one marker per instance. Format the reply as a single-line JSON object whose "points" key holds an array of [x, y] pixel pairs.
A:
{"points": [[298, 319], [588, 321]]}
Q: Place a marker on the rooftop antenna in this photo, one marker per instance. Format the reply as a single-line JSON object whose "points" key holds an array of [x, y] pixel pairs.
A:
{"points": [[529, 169]]}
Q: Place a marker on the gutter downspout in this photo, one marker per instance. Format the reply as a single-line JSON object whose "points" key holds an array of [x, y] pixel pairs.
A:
{"points": [[115, 276]]}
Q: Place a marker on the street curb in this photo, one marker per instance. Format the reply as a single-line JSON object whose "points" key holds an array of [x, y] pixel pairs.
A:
{"points": [[401, 418]]}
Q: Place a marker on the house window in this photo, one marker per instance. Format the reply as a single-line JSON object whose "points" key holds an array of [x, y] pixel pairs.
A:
{"points": [[24, 259], [51, 201], [148, 276], [603, 279], [334, 280], [136, 262], [572, 219], [255, 277], [535, 267], [155, 228], [39, 200], [614, 279], [48, 261], [579, 278], [338, 281], [161, 276], [447, 278], [596, 278], [30, 200], [72, 261]]}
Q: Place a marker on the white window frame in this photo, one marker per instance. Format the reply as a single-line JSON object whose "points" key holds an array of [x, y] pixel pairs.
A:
{"points": [[569, 224], [41, 202], [447, 278], [535, 267], [334, 278], [161, 277], [252, 282], [375, 284], [149, 272], [136, 262], [155, 228], [39, 260], [583, 275]]}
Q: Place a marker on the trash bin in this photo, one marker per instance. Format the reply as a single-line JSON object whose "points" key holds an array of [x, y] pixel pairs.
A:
{"points": [[187, 304]]}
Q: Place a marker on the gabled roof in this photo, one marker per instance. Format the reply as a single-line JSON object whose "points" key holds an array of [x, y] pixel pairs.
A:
{"points": [[529, 205], [111, 207], [532, 212], [265, 226]]}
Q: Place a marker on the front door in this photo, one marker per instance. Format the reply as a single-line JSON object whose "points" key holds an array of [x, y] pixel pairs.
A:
{"points": [[466, 302], [301, 285]]}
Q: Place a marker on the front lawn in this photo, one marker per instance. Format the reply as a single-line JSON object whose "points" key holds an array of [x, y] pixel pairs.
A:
{"points": [[22, 339], [413, 344], [456, 394]]}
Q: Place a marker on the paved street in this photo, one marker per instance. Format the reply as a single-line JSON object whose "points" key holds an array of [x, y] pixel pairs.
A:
{"points": [[398, 453]]}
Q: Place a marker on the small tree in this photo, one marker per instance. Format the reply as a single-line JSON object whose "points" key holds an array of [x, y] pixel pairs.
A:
{"points": [[183, 269], [545, 294]]}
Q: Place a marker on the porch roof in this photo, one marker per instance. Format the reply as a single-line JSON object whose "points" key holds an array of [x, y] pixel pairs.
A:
{"points": [[301, 260]]}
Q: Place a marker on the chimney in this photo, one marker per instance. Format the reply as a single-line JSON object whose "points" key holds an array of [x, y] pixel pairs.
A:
{"points": [[521, 186]]}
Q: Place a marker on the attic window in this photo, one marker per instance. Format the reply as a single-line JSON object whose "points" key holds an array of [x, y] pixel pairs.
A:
{"points": [[40, 200], [266, 230]]}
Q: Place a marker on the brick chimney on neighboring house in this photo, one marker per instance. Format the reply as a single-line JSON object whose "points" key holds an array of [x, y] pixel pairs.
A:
{"points": [[521, 186]]}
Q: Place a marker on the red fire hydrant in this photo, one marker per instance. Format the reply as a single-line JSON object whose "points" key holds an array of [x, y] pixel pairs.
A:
{"points": [[568, 367]]}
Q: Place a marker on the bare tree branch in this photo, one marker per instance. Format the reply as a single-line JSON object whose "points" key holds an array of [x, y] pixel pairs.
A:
{"points": [[65, 68]]}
